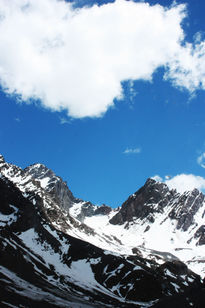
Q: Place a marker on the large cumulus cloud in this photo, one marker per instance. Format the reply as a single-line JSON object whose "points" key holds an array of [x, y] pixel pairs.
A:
{"points": [[76, 59]]}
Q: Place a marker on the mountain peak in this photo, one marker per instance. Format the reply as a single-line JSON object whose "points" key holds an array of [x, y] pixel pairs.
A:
{"points": [[142, 204], [37, 170], [51, 183], [150, 182]]}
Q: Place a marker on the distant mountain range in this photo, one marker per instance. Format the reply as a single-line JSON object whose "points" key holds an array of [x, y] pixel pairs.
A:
{"points": [[59, 251]]}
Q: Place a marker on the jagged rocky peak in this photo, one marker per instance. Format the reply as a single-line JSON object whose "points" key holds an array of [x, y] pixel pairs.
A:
{"points": [[156, 200], [152, 192], [156, 188], [62, 194], [152, 197], [39, 171], [52, 184]]}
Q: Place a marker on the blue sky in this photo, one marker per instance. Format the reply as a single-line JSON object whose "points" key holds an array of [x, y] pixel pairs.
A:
{"points": [[105, 149]]}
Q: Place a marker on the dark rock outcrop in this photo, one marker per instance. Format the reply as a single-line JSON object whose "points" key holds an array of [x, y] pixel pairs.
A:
{"points": [[200, 235], [151, 198], [103, 210], [185, 208]]}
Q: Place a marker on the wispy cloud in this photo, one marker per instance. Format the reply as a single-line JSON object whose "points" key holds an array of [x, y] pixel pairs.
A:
{"points": [[70, 60], [201, 160], [17, 119], [132, 151], [64, 120]]}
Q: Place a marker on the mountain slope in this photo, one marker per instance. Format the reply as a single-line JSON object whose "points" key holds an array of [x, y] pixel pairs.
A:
{"points": [[43, 266], [154, 212], [46, 255]]}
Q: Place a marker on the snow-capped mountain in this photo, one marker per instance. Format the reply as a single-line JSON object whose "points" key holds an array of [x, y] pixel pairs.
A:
{"points": [[156, 218], [60, 251]]}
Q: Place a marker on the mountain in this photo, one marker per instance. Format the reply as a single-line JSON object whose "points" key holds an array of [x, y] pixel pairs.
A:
{"points": [[156, 218], [60, 251]]}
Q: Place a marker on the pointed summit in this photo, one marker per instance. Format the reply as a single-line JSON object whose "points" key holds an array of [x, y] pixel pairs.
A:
{"points": [[142, 204], [52, 184], [39, 171]]}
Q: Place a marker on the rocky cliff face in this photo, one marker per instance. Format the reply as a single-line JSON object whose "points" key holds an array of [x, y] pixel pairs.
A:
{"points": [[185, 209], [40, 177], [148, 200], [52, 184], [60, 192]]}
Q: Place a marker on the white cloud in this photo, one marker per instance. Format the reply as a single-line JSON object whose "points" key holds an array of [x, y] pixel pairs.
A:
{"points": [[187, 68], [76, 59], [183, 182], [201, 160], [132, 151], [186, 182]]}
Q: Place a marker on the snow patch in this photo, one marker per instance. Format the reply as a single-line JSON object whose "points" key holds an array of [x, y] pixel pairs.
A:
{"points": [[7, 220]]}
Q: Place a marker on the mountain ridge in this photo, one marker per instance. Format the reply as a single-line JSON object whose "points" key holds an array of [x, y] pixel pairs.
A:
{"points": [[58, 237], [152, 202]]}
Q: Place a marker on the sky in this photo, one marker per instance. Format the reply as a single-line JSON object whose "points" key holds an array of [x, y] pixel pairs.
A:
{"points": [[105, 93]]}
